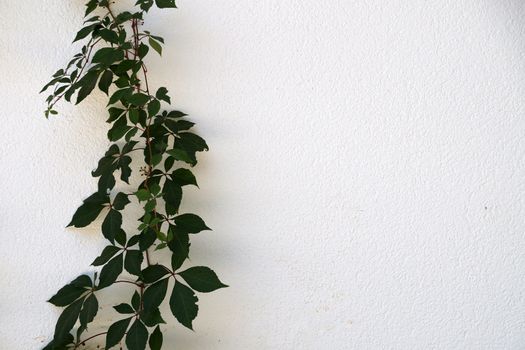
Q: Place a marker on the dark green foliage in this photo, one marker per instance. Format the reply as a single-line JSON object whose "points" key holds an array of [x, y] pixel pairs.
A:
{"points": [[137, 336], [183, 304], [67, 294], [116, 332], [112, 224], [155, 339], [114, 59], [107, 254], [153, 273], [165, 3], [89, 211], [133, 261], [67, 321], [89, 310], [110, 272], [190, 223], [202, 279]]}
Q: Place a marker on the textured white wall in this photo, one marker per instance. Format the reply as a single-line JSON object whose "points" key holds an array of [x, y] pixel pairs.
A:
{"points": [[365, 181]]}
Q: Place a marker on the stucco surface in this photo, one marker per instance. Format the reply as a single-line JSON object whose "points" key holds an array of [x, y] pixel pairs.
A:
{"points": [[365, 180]]}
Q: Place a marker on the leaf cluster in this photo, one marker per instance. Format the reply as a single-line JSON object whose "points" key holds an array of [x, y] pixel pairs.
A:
{"points": [[113, 59]]}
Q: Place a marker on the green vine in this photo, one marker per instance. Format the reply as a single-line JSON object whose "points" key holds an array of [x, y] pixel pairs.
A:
{"points": [[113, 60]]}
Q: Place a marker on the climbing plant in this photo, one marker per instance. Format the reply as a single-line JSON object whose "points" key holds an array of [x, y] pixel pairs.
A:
{"points": [[113, 59]]}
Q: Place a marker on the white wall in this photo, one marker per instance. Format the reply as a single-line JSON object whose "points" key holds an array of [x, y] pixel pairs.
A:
{"points": [[365, 181]]}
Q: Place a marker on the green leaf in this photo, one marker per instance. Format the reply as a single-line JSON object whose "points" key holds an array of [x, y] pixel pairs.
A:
{"points": [[125, 170], [145, 4], [90, 7], [62, 344], [110, 272], [153, 273], [106, 182], [165, 4], [172, 194], [84, 32], [168, 163], [190, 223], [151, 318], [82, 281], [124, 309], [155, 45], [134, 116], [180, 246], [162, 94], [112, 224], [183, 304], [89, 310], [135, 301], [119, 129], [67, 320], [105, 81], [114, 113], [116, 331], [142, 194], [109, 36], [106, 254], [66, 295], [87, 84], [89, 211], [137, 336], [176, 114], [184, 125], [138, 99], [154, 294], [108, 55], [155, 339], [120, 201], [121, 94], [133, 261], [202, 279], [153, 107], [146, 239], [120, 237], [143, 50], [183, 177]]}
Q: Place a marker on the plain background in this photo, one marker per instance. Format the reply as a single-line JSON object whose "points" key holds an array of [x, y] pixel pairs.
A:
{"points": [[365, 181]]}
